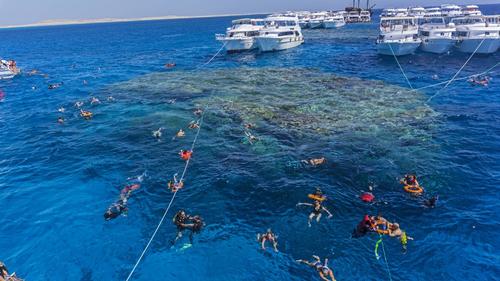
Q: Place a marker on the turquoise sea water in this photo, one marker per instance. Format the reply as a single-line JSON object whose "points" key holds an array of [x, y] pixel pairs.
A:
{"points": [[333, 97]]}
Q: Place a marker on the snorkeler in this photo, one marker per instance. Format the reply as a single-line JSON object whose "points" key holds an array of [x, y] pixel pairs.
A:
{"points": [[60, 120], [174, 185], [316, 212], [120, 206], [110, 98], [251, 138], [157, 133], [480, 80], [78, 104], [194, 125], [183, 221], [365, 226], [5, 276], [186, 154], [410, 180], [268, 236], [249, 126], [315, 161], [180, 134], [198, 112], [322, 268], [86, 114], [431, 202], [94, 100], [55, 86]]}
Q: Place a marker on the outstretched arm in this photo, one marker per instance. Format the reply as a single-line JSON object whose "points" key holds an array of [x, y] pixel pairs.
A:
{"points": [[328, 212], [304, 204], [263, 244]]}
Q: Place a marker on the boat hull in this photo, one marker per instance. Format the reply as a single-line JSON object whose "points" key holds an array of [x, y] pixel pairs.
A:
{"points": [[268, 44], [316, 24], [399, 48], [487, 47], [327, 24], [437, 46], [239, 44]]}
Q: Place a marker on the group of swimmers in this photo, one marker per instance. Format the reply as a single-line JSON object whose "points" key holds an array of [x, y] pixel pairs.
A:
{"points": [[85, 114]]}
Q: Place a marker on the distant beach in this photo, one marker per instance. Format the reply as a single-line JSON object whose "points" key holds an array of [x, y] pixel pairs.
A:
{"points": [[110, 20]]}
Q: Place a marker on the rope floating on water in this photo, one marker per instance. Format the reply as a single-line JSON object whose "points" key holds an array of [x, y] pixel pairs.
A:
{"points": [[402, 71], [169, 204], [458, 72]]}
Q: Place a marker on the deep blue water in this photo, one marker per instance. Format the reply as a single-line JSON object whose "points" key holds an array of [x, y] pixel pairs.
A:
{"points": [[57, 180]]}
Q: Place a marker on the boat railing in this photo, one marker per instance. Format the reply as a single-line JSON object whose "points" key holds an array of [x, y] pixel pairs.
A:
{"points": [[220, 36]]}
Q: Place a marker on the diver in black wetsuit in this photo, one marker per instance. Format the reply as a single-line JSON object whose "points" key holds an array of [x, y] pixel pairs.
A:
{"points": [[183, 221], [120, 206]]}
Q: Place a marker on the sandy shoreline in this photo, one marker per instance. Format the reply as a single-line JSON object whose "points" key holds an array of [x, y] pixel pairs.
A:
{"points": [[112, 20]]}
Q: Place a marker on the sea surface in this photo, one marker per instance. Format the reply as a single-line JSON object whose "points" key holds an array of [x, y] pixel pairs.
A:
{"points": [[333, 97]]}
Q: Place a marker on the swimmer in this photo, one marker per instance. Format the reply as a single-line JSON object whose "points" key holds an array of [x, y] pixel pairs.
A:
{"points": [[316, 212], [480, 80], [78, 104], [365, 226], [5, 276], [198, 112], [410, 180], [110, 98], [85, 82], [120, 206], [431, 202], [157, 133], [171, 101], [404, 241], [325, 273], [94, 100], [249, 126], [268, 236], [61, 109], [60, 120], [180, 134], [175, 185], [435, 77], [87, 115], [183, 221], [251, 138], [315, 161], [55, 86], [194, 125], [170, 65], [186, 154]]}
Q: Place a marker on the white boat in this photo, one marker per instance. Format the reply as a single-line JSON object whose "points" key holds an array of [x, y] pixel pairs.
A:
{"points": [[492, 20], [401, 12], [451, 11], [418, 12], [388, 13], [353, 17], [316, 20], [398, 36], [433, 12], [436, 35], [335, 21], [475, 34], [365, 16], [471, 10], [8, 69], [241, 35], [280, 33]]}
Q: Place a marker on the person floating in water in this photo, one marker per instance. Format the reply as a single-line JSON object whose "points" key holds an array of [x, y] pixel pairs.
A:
{"points": [[325, 273], [55, 86], [170, 65], [395, 231], [94, 100], [431, 202], [194, 125], [5, 276], [314, 161], [60, 120], [174, 185], [184, 221], [198, 111], [186, 154], [249, 126], [366, 225], [410, 180], [316, 212], [61, 109], [268, 236], [180, 134], [78, 104], [86, 114], [157, 133], [480, 80], [251, 138], [120, 206]]}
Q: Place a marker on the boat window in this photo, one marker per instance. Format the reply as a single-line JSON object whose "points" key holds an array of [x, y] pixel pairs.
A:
{"points": [[285, 33], [487, 33], [259, 23], [462, 33], [425, 33]]}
